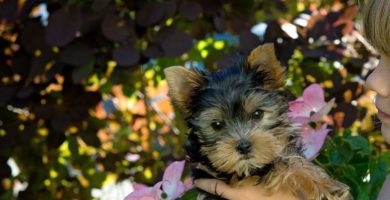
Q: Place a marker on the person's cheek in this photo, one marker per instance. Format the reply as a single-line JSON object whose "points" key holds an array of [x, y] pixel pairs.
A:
{"points": [[386, 132]]}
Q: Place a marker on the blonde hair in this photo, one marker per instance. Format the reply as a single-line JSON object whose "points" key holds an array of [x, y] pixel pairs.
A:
{"points": [[376, 24]]}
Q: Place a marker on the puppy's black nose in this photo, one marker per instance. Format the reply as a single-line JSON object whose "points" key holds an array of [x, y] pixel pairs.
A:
{"points": [[244, 146]]}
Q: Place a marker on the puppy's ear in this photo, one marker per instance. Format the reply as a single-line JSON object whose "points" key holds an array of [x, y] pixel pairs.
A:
{"points": [[269, 72], [182, 84]]}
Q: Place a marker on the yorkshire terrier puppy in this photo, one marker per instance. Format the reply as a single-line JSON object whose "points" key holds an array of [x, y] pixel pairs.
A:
{"points": [[239, 131]]}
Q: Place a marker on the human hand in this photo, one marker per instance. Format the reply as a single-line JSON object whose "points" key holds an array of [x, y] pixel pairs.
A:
{"points": [[257, 192]]}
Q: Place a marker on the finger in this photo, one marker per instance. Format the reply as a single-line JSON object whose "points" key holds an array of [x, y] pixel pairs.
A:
{"points": [[216, 187]]}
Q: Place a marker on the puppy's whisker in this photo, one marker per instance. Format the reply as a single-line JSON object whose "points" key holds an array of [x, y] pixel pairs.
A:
{"points": [[248, 133]]}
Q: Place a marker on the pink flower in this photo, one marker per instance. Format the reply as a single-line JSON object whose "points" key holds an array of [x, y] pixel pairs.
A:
{"points": [[170, 186], [311, 107], [145, 193], [171, 183], [313, 140]]}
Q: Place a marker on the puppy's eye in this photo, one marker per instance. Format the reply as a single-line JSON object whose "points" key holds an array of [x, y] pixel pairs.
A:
{"points": [[258, 114], [217, 125]]}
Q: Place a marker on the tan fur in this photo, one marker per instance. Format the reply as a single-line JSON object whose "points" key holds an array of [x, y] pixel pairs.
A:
{"points": [[266, 149], [296, 175], [254, 101], [264, 59], [269, 135], [211, 114], [181, 83], [303, 178]]}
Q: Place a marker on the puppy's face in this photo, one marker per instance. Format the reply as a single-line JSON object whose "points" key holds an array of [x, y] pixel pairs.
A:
{"points": [[239, 116], [240, 127]]}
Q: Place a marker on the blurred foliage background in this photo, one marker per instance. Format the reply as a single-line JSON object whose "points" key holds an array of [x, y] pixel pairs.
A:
{"points": [[83, 98]]}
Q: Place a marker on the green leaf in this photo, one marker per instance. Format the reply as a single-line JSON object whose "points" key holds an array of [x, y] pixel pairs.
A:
{"points": [[378, 172], [358, 142], [361, 168], [350, 172], [336, 157], [190, 195], [73, 146], [363, 195], [356, 187], [97, 179], [346, 152], [106, 88]]}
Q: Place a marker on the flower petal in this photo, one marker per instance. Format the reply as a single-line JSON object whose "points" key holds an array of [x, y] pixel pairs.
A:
{"points": [[139, 186], [188, 184], [173, 189], [300, 120], [313, 96], [142, 192], [323, 111], [157, 190], [171, 184], [298, 109], [174, 171], [313, 140]]}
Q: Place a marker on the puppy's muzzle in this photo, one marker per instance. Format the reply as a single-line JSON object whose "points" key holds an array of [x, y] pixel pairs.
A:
{"points": [[244, 147]]}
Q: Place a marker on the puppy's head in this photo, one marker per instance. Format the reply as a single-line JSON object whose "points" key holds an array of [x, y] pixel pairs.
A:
{"points": [[239, 115]]}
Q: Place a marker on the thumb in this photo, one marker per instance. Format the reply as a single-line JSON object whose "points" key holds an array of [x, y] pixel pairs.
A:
{"points": [[216, 187]]}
